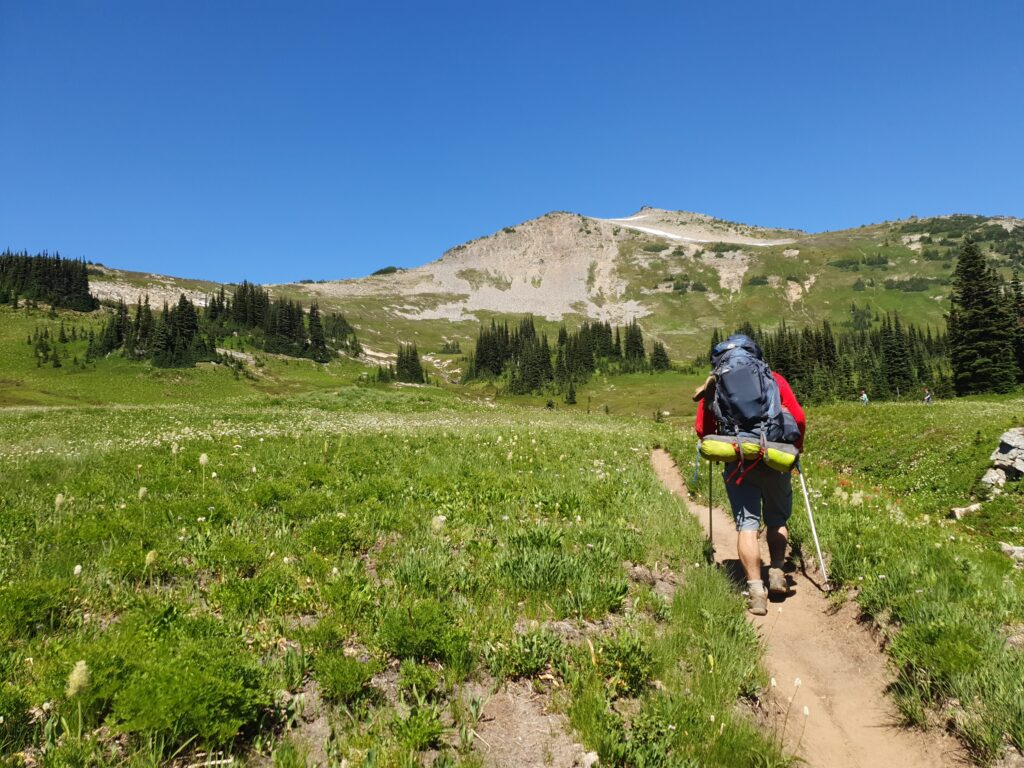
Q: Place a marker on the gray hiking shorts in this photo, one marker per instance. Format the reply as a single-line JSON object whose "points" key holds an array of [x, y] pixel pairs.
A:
{"points": [[762, 492]]}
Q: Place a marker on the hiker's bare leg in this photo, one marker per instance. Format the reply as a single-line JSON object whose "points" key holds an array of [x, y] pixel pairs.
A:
{"points": [[778, 540], [750, 554]]}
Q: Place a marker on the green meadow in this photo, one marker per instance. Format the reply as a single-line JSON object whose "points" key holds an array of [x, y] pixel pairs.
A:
{"points": [[291, 565]]}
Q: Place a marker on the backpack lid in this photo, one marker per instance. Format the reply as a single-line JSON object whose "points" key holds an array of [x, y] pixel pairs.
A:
{"points": [[737, 341]]}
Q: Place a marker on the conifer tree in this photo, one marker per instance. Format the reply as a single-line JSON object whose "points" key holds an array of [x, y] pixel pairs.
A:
{"points": [[981, 333], [317, 342], [659, 357]]}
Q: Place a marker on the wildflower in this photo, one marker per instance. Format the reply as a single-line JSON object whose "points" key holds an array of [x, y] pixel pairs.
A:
{"points": [[47, 706], [797, 683], [253, 470], [150, 559], [174, 449], [773, 683], [143, 490], [807, 712], [203, 459], [213, 475], [334, 571], [78, 570], [58, 502], [200, 519], [712, 718], [286, 560], [78, 679]]}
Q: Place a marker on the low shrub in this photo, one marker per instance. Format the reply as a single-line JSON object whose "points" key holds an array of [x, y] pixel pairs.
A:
{"points": [[525, 655], [343, 679]]}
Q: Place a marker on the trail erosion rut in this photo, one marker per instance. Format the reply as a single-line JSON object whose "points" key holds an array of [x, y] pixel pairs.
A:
{"points": [[842, 672]]}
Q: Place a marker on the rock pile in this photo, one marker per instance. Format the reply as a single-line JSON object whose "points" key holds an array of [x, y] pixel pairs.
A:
{"points": [[1007, 460]]}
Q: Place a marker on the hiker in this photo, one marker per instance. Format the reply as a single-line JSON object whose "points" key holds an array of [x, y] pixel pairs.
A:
{"points": [[863, 397], [754, 489], [927, 396]]}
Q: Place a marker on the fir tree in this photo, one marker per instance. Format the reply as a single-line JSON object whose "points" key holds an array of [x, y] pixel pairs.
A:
{"points": [[981, 332], [659, 357]]}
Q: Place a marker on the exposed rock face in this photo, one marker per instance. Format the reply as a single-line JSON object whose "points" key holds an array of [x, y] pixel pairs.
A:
{"points": [[1009, 456]]}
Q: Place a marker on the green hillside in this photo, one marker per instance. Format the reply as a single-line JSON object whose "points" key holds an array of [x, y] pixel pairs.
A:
{"points": [[679, 290]]}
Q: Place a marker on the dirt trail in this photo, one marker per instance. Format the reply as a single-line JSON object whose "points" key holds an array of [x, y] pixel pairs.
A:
{"points": [[842, 671]]}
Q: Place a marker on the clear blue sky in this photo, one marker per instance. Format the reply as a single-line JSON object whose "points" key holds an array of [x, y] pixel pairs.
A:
{"points": [[279, 141]]}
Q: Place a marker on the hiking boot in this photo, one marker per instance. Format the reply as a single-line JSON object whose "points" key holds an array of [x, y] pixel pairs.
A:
{"points": [[777, 584], [757, 603]]}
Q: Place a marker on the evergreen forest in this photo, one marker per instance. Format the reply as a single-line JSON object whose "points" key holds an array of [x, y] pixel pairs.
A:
{"points": [[61, 283]]}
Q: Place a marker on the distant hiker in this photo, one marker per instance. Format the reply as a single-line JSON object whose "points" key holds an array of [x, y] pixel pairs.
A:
{"points": [[863, 397], [745, 399], [927, 396]]}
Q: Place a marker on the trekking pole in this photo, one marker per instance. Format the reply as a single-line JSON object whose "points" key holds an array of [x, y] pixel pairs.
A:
{"points": [[814, 532], [710, 518]]}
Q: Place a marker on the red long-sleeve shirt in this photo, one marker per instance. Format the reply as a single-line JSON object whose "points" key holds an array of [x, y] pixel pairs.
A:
{"points": [[706, 424]]}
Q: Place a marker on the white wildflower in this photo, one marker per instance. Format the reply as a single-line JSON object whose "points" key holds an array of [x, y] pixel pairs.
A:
{"points": [[143, 490], [78, 570], [78, 680], [150, 559], [58, 502], [797, 683], [200, 519], [213, 475]]}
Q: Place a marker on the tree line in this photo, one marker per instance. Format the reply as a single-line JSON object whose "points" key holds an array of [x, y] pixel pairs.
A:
{"points": [[889, 359], [527, 361], [182, 335], [59, 282]]}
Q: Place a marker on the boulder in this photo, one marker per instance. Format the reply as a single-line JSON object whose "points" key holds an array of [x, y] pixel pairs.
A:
{"points": [[1009, 456], [958, 513], [994, 477], [1013, 552]]}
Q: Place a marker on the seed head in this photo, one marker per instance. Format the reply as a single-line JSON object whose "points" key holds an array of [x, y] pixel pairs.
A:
{"points": [[78, 570], [58, 502], [143, 490], [78, 680], [797, 683], [174, 449], [150, 558], [203, 459]]}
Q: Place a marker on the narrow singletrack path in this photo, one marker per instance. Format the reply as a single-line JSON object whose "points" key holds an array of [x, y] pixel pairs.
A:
{"points": [[842, 671]]}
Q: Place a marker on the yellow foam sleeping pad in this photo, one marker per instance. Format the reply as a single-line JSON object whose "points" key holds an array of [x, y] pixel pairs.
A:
{"points": [[778, 456]]}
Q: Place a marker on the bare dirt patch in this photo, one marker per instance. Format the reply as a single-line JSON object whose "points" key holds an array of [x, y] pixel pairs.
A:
{"points": [[518, 729]]}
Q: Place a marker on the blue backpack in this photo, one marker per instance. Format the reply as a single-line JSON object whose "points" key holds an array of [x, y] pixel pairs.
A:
{"points": [[747, 402]]}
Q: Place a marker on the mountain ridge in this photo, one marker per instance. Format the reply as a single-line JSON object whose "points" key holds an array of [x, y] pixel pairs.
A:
{"points": [[679, 273]]}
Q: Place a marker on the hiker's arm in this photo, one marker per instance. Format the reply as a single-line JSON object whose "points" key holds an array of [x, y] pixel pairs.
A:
{"points": [[704, 423], [789, 402]]}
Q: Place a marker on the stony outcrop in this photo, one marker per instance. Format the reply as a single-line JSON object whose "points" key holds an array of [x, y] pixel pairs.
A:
{"points": [[1007, 460]]}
